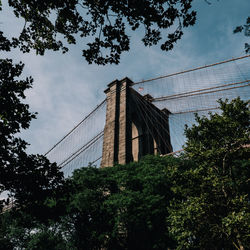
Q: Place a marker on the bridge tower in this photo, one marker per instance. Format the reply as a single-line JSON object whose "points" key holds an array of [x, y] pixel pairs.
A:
{"points": [[134, 126]]}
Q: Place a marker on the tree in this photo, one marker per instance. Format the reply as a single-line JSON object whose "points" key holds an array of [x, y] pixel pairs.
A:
{"points": [[29, 179], [105, 23], [246, 29], [212, 211], [198, 200], [120, 207], [20, 232]]}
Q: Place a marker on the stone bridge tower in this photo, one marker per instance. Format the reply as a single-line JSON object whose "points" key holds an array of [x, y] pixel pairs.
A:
{"points": [[134, 126]]}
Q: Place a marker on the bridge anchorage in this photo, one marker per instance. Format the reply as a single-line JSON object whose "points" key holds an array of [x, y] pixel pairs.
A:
{"points": [[134, 126]]}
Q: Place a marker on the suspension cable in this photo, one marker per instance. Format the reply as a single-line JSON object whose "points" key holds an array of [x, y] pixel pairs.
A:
{"points": [[190, 70], [158, 99], [201, 90], [84, 119], [81, 150], [152, 123]]}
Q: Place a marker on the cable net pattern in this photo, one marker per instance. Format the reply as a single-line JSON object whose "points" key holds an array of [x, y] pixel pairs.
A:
{"points": [[83, 144], [183, 94], [197, 91]]}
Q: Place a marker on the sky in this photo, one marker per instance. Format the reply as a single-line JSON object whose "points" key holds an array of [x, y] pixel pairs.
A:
{"points": [[66, 88]]}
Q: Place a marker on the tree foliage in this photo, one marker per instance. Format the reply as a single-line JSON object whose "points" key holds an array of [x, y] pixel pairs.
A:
{"points": [[213, 211], [198, 200], [21, 231], [246, 30], [29, 179], [105, 27], [121, 207], [106, 24]]}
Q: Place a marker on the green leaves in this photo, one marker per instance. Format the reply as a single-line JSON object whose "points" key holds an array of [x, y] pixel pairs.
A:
{"points": [[105, 23], [29, 179], [246, 29], [198, 200], [212, 208], [213, 137], [121, 207]]}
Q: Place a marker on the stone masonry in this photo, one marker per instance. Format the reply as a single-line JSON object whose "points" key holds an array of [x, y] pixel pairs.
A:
{"points": [[134, 126]]}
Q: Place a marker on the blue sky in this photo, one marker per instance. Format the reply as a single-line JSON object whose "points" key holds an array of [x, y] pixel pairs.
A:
{"points": [[66, 88]]}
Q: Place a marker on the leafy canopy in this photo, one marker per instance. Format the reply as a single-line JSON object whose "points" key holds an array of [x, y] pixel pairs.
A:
{"points": [[246, 29], [121, 207], [105, 23], [198, 200], [213, 209], [29, 179]]}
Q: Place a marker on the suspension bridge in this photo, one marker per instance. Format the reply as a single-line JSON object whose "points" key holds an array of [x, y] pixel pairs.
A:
{"points": [[157, 109]]}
